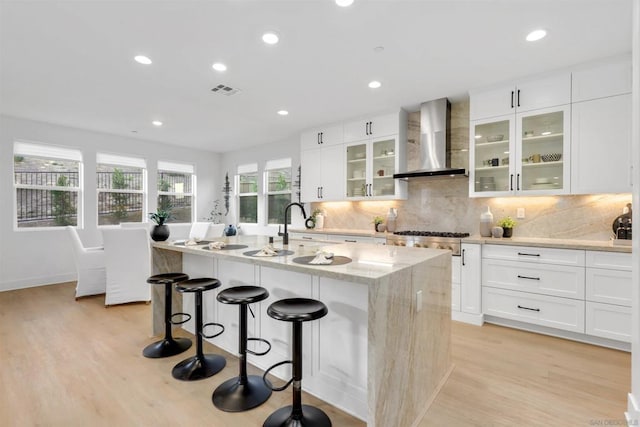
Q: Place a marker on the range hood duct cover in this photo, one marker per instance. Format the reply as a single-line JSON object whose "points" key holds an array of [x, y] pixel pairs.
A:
{"points": [[435, 137]]}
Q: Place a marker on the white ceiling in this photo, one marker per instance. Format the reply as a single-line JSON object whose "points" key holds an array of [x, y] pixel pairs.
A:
{"points": [[71, 62]]}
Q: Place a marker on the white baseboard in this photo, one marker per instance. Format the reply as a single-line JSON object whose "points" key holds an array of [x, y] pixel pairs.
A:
{"points": [[474, 319], [32, 282]]}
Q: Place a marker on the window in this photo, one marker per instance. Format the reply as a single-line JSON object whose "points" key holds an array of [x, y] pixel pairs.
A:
{"points": [[47, 180], [121, 183], [278, 189], [175, 190], [247, 191]]}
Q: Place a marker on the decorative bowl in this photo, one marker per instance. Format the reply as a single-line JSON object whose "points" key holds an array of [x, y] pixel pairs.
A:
{"points": [[553, 157], [495, 138]]}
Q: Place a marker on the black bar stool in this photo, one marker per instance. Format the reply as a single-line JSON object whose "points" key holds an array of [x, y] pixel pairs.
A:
{"points": [[244, 391], [168, 346], [296, 310], [201, 365]]}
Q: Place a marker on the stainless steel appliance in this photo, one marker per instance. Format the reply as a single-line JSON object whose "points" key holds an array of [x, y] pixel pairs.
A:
{"points": [[428, 239]]}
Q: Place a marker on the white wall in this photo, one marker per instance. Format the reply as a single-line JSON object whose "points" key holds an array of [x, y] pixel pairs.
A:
{"points": [[289, 147], [37, 257]]}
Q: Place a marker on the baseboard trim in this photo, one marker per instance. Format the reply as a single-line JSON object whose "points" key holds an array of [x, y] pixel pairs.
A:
{"points": [[588, 339], [473, 319], [34, 282]]}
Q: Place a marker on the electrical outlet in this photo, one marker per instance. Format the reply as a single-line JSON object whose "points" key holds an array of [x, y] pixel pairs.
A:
{"points": [[520, 213], [418, 301]]}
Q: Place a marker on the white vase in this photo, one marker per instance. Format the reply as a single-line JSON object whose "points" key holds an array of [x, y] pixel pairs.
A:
{"points": [[486, 223]]}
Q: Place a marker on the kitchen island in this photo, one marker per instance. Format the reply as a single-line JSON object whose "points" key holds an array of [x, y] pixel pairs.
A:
{"points": [[383, 351]]}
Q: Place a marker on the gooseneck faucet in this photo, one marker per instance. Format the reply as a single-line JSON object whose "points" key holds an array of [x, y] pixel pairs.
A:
{"points": [[285, 235]]}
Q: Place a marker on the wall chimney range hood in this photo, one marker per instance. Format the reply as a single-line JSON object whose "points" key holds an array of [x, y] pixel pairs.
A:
{"points": [[435, 157]]}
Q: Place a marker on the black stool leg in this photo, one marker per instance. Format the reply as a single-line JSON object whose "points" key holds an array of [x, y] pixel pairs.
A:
{"points": [[201, 365], [297, 415], [244, 391], [169, 346]]}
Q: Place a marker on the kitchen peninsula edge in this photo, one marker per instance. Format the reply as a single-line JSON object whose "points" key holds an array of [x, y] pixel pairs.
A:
{"points": [[404, 314]]}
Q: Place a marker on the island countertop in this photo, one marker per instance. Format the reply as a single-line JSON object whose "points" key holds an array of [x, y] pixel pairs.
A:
{"points": [[370, 263]]}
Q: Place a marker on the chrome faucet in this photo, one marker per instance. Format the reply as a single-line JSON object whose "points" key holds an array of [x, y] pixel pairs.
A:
{"points": [[285, 235]]}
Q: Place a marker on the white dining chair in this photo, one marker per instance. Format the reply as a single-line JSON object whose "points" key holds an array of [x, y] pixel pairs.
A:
{"points": [[128, 264], [215, 230], [199, 230], [90, 266]]}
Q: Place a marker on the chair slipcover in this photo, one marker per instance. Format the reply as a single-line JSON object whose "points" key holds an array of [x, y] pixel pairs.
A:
{"points": [[128, 262], [90, 265]]}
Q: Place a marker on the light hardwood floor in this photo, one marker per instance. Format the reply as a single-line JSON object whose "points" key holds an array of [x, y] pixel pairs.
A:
{"points": [[76, 363]]}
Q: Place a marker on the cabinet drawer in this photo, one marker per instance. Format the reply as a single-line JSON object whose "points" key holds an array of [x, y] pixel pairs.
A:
{"points": [[611, 260], [559, 280], [608, 321], [608, 286], [455, 296], [554, 312], [349, 239], [534, 255], [307, 236]]}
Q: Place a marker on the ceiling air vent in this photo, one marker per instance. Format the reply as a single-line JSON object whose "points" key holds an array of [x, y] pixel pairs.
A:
{"points": [[225, 90]]}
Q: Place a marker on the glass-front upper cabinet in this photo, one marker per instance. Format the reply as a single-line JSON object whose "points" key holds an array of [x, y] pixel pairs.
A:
{"points": [[384, 166], [356, 175], [525, 154]]}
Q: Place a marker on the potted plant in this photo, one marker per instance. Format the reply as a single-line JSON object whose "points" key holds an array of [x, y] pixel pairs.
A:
{"points": [[377, 220], [507, 223], [160, 231]]}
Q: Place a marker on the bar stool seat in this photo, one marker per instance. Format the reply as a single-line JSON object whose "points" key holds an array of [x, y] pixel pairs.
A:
{"points": [[244, 391], [297, 311], [201, 365], [168, 346]]}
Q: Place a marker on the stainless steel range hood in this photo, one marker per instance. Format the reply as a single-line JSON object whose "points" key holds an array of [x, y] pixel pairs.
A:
{"points": [[435, 156]]}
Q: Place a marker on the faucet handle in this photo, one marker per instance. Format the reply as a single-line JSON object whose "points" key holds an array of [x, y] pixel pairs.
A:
{"points": [[280, 233]]}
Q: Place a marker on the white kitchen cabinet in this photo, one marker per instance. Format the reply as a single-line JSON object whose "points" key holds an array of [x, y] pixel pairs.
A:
{"points": [[370, 165], [308, 236], [456, 265], [538, 255], [523, 154], [610, 77], [470, 274], [601, 147], [323, 136], [608, 321], [322, 174], [372, 127], [526, 95], [350, 238]]}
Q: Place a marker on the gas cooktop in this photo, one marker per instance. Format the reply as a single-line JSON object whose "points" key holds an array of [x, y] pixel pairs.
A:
{"points": [[431, 234]]}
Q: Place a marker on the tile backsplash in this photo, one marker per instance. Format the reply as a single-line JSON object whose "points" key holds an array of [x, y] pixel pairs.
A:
{"points": [[443, 204]]}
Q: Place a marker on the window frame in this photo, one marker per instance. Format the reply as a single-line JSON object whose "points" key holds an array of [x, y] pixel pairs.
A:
{"points": [[181, 168], [246, 169], [44, 151], [118, 160], [270, 166]]}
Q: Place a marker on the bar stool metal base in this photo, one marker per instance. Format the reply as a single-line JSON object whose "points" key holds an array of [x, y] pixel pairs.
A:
{"points": [[198, 367], [311, 417], [166, 347], [232, 396]]}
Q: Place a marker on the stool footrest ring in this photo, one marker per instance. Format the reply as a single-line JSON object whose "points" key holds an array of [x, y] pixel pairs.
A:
{"points": [[212, 324], [268, 384], [262, 340], [187, 318]]}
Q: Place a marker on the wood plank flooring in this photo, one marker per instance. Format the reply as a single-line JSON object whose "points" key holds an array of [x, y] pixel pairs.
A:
{"points": [[76, 363]]}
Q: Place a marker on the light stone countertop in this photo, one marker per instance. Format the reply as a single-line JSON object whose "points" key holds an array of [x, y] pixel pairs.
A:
{"points": [[592, 245], [342, 231], [371, 263]]}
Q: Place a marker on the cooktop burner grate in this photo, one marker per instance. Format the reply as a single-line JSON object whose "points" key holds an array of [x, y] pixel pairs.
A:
{"points": [[431, 234]]}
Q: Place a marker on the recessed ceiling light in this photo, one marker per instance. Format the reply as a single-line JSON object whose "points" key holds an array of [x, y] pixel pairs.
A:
{"points": [[270, 37], [375, 84], [141, 59], [283, 112], [536, 35], [157, 123], [344, 3], [219, 66]]}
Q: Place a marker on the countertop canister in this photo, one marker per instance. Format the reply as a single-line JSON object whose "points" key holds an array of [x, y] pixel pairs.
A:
{"points": [[486, 223]]}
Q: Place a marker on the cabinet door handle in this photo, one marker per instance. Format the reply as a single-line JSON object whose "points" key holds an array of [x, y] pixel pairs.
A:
{"points": [[307, 238], [318, 192], [321, 137], [528, 277], [318, 137], [526, 254], [370, 128], [350, 241], [527, 308], [366, 128], [518, 182], [518, 97], [463, 257], [370, 190], [511, 182], [511, 99], [322, 192]]}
